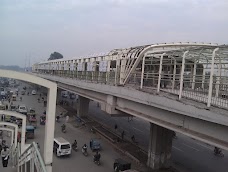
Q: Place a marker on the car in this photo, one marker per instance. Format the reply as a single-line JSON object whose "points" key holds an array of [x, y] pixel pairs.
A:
{"points": [[22, 109], [33, 92], [61, 147]]}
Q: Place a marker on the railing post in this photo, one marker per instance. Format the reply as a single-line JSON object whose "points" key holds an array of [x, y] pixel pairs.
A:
{"points": [[182, 74], [160, 73], [203, 78], [174, 74], [32, 160], [211, 78], [194, 75], [117, 71], [142, 74]]}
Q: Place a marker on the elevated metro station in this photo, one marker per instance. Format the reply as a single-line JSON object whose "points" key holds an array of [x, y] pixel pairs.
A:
{"points": [[179, 87]]}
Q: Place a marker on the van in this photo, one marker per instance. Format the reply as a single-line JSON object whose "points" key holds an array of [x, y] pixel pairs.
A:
{"points": [[61, 147]]}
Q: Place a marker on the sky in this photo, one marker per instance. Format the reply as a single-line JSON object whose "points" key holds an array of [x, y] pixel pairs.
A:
{"points": [[33, 29]]}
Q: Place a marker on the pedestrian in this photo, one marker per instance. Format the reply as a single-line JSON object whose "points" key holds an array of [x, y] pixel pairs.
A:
{"points": [[38, 100], [5, 156], [133, 138], [3, 117], [67, 118], [115, 127], [122, 135], [40, 95], [6, 107], [38, 146]]}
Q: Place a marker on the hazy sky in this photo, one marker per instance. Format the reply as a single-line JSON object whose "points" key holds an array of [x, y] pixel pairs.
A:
{"points": [[35, 29]]}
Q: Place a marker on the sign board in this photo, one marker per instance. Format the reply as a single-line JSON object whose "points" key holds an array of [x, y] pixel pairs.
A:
{"points": [[72, 66], [80, 67], [103, 66], [90, 66]]}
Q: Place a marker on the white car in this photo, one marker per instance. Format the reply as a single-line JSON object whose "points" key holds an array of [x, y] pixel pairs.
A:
{"points": [[22, 109], [33, 92]]}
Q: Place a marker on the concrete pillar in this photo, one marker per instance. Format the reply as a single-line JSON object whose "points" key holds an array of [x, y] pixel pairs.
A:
{"points": [[83, 106], [110, 105], [50, 128], [160, 146]]}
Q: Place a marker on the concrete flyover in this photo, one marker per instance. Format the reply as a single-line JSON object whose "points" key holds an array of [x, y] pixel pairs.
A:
{"points": [[51, 107], [208, 126]]}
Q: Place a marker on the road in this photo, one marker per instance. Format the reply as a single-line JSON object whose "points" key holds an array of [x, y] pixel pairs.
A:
{"points": [[77, 161], [188, 155]]}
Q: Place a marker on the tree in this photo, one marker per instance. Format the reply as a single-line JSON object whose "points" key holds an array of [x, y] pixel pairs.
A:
{"points": [[55, 55]]}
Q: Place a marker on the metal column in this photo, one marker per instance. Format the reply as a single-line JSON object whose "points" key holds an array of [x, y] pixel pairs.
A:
{"points": [[182, 74], [211, 78]]}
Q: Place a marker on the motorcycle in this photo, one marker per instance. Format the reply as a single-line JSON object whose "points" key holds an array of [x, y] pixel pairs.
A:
{"points": [[63, 129], [218, 153], [57, 119], [96, 161], [84, 152], [75, 148]]}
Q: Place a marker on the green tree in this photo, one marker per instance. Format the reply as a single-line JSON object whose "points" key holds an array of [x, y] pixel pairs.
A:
{"points": [[55, 55]]}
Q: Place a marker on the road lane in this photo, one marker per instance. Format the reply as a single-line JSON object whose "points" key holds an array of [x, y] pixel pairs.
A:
{"points": [[77, 161]]}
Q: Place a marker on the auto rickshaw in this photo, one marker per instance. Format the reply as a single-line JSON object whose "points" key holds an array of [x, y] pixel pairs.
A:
{"points": [[30, 134], [13, 107], [121, 165], [95, 145], [32, 120], [31, 112], [42, 119]]}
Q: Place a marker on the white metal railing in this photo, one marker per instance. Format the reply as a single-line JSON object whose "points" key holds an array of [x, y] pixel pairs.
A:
{"points": [[30, 160]]}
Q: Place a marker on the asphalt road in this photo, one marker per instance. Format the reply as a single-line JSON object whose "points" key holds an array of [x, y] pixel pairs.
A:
{"points": [[188, 155], [77, 161]]}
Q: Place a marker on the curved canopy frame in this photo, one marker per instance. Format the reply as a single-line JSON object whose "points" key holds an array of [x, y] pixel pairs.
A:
{"points": [[163, 48], [51, 107], [17, 115], [13, 134]]}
